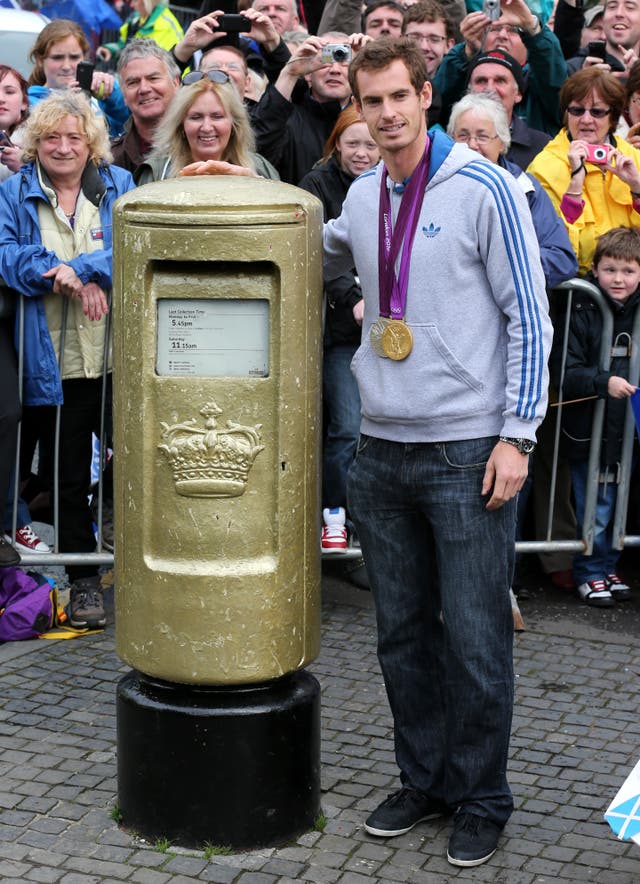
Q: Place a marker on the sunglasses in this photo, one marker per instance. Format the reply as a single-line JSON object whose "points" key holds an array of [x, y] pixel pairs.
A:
{"points": [[596, 112], [215, 76]]}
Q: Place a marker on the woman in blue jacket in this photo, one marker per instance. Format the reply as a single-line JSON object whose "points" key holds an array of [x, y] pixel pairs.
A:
{"points": [[55, 249], [58, 49]]}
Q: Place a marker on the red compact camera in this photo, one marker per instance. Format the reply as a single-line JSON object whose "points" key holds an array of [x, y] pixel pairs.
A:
{"points": [[598, 153]]}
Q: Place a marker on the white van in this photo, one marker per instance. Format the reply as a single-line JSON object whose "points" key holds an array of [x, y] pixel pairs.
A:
{"points": [[18, 32]]}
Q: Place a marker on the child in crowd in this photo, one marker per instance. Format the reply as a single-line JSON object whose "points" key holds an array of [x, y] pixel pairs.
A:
{"points": [[616, 272]]}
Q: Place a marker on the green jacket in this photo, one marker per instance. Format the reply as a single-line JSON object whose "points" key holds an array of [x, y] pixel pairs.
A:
{"points": [[161, 26]]}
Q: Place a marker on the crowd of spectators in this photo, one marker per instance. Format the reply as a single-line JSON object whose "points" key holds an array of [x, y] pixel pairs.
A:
{"points": [[548, 94]]}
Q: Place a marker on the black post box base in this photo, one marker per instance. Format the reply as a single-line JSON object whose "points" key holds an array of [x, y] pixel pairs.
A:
{"points": [[236, 766]]}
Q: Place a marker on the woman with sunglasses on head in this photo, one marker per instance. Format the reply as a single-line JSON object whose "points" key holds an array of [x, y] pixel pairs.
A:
{"points": [[206, 131], [591, 175]]}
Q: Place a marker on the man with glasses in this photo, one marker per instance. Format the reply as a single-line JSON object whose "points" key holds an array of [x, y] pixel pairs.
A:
{"points": [[534, 46], [427, 24], [230, 60]]}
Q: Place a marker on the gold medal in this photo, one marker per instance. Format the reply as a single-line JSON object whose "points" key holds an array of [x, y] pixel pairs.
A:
{"points": [[397, 340], [375, 335]]}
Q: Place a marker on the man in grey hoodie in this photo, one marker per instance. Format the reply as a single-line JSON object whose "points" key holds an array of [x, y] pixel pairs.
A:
{"points": [[452, 373]]}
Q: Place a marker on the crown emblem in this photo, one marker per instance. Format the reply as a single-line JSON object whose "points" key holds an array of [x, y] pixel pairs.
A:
{"points": [[431, 230], [210, 461]]}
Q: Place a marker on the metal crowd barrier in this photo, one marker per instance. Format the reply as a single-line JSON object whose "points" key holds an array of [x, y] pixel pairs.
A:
{"points": [[547, 544]]}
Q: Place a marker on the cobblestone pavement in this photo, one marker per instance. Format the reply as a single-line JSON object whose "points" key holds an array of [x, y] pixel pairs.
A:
{"points": [[576, 735]]}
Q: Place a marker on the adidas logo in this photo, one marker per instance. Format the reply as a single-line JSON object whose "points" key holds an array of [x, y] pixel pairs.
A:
{"points": [[431, 230]]}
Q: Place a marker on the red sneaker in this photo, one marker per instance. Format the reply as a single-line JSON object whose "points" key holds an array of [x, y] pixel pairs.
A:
{"points": [[28, 541]]}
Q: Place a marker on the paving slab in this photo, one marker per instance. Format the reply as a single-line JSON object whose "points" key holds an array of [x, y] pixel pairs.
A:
{"points": [[576, 735]]}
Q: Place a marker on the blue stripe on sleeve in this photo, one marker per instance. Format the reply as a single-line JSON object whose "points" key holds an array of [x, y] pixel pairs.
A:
{"points": [[532, 367]]}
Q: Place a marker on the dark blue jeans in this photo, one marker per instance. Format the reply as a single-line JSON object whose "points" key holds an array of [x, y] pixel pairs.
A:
{"points": [[342, 405], [440, 567], [604, 558]]}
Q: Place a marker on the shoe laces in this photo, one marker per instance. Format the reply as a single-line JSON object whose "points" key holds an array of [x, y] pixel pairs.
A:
{"points": [[399, 798], [613, 578], [87, 598], [598, 585], [27, 534], [468, 822], [334, 532]]}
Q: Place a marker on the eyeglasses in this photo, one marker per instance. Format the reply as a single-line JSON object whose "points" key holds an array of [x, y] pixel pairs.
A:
{"points": [[481, 138], [195, 76], [510, 29], [596, 112], [225, 66], [433, 39]]}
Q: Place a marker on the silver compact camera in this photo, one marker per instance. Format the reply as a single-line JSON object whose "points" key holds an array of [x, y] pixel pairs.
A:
{"points": [[491, 8], [333, 53]]}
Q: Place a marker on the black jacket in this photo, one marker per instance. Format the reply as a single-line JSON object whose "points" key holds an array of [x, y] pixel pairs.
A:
{"points": [[330, 184], [583, 376], [292, 135], [526, 143], [576, 63]]}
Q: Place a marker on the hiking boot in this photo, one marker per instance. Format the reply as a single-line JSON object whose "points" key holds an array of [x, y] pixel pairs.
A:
{"points": [[86, 608], [28, 541], [473, 841], [401, 811], [9, 555], [620, 591]]}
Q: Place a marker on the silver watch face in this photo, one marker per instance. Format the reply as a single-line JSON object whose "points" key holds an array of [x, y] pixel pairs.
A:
{"points": [[524, 446]]}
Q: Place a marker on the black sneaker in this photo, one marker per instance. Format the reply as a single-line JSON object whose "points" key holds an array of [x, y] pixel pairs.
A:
{"points": [[86, 609], [9, 555], [403, 810], [620, 591], [473, 841]]}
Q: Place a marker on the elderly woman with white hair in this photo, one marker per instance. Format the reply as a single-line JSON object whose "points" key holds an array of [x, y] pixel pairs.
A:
{"points": [[56, 250], [480, 121], [148, 19]]}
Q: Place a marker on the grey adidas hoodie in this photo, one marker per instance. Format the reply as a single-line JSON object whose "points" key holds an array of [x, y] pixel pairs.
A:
{"points": [[476, 305]]}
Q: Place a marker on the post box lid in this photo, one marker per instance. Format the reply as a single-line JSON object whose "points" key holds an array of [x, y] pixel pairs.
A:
{"points": [[212, 200]]}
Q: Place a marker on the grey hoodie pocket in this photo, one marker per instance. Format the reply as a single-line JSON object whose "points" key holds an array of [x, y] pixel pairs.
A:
{"points": [[430, 384]]}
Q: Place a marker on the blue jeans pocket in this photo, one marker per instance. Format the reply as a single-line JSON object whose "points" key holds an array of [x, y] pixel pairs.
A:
{"points": [[468, 454]]}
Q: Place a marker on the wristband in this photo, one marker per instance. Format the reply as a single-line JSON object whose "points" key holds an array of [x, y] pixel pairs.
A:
{"points": [[577, 195]]}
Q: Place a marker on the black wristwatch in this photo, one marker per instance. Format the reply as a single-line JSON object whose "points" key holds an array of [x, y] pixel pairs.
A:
{"points": [[524, 446]]}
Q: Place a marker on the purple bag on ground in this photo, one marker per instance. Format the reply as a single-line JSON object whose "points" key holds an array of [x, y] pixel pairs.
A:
{"points": [[27, 605]]}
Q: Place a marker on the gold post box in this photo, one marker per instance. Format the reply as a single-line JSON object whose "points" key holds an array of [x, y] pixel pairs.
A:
{"points": [[217, 379]]}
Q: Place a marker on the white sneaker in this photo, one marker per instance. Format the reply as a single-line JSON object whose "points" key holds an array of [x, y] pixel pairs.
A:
{"points": [[334, 532], [28, 541]]}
